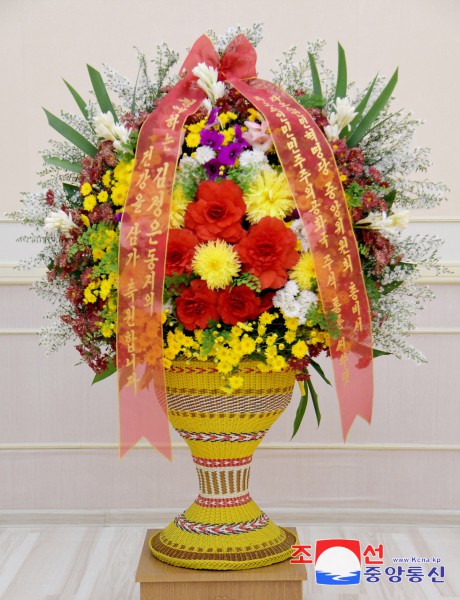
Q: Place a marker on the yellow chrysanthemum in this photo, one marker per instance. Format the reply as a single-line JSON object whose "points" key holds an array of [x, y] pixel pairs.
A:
{"points": [[85, 220], [107, 178], [226, 117], [89, 202], [269, 195], [299, 349], [192, 140], [277, 364], [85, 189], [107, 330], [254, 115], [267, 318], [229, 135], [291, 323], [102, 196], [236, 382], [119, 193], [216, 263], [304, 272], [178, 207], [290, 336], [248, 345]]}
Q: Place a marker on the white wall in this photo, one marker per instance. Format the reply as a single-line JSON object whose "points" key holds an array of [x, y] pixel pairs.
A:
{"points": [[58, 434]]}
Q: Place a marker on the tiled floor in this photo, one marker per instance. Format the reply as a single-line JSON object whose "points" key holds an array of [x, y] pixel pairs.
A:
{"points": [[98, 563]]}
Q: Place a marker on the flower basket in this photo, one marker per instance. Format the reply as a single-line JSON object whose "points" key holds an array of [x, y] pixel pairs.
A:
{"points": [[212, 235], [224, 528]]}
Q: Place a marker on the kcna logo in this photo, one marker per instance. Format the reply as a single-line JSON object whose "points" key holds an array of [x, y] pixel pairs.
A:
{"points": [[338, 562]]}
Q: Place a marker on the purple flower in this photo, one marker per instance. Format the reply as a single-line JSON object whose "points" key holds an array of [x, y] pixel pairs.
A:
{"points": [[119, 216], [211, 138], [229, 153], [213, 168], [239, 137], [212, 118]]}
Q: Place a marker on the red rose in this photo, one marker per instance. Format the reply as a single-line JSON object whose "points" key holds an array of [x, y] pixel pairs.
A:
{"points": [[181, 248], [218, 211], [240, 303], [197, 306], [268, 252]]}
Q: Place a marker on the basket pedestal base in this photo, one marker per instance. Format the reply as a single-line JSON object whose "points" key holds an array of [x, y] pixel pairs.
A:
{"points": [[160, 581]]}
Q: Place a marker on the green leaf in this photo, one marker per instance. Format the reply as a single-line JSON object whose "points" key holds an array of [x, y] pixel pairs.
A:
{"points": [[341, 85], [78, 99], [105, 104], [317, 91], [390, 198], [361, 106], [311, 101], [373, 112], [63, 164], [390, 287], [111, 369], [300, 412], [376, 353], [320, 371], [70, 134], [208, 342], [314, 397], [70, 189]]}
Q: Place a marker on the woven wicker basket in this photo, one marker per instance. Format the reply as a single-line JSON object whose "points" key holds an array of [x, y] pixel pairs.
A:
{"points": [[223, 529]]}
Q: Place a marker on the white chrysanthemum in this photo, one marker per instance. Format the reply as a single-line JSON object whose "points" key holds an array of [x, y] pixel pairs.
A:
{"points": [[293, 302], [253, 157], [188, 161], [58, 220], [107, 129], [204, 154]]}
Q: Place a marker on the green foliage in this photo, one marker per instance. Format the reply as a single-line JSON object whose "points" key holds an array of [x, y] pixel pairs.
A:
{"points": [[243, 176], [325, 322], [67, 165], [311, 101], [317, 91], [354, 195], [111, 369], [371, 289], [341, 85], [78, 99], [248, 279], [390, 198], [366, 122], [74, 137], [175, 283], [189, 177], [300, 413], [102, 96], [320, 371]]}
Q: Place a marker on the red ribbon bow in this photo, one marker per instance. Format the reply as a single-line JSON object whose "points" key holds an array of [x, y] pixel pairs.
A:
{"points": [[312, 174]]}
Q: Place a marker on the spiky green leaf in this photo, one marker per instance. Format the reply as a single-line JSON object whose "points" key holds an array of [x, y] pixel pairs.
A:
{"points": [[63, 164], [369, 118], [341, 85], [316, 81], [300, 412], [102, 96], [320, 371], [376, 353], [362, 106], [111, 369], [314, 398], [71, 134], [78, 99]]}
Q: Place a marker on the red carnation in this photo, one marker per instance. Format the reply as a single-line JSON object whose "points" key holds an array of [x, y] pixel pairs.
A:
{"points": [[240, 303], [181, 248], [268, 252], [217, 212], [197, 306]]}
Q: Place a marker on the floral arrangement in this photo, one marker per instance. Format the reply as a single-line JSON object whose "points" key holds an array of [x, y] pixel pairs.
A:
{"points": [[240, 279]]}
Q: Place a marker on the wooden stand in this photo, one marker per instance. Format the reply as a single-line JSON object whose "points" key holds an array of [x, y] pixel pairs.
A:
{"points": [[160, 581]]}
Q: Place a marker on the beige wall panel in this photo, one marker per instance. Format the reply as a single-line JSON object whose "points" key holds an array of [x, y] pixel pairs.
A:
{"points": [[317, 479], [49, 39]]}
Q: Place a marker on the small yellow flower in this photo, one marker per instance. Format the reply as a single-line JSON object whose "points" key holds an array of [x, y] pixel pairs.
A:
{"points": [[290, 336], [229, 134], [102, 196], [271, 352], [299, 350], [236, 382], [89, 202], [267, 318], [192, 140], [225, 118], [291, 323], [271, 339], [85, 220], [278, 363], [248, 345], [217, 263], [254, 115], [107, 330], [85, 189], [107, 178]]}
